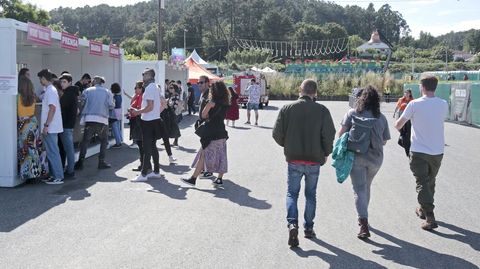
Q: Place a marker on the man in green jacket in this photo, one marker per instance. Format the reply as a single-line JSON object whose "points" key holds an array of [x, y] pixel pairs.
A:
{"points": [[305, 130]]}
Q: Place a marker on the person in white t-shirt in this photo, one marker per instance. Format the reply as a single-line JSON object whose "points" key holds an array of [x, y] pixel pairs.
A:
{"points": [[51, 126], [253, 91], [150, 124], [427, 115]]}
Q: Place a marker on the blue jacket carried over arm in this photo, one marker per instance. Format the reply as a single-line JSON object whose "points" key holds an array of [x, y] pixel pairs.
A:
{"points": [[342, 158]]}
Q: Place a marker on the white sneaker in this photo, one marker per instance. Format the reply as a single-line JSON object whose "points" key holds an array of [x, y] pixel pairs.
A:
{"points": [[133, 146], [139, 178], [171, 159], [154, 175], [54, 181]]}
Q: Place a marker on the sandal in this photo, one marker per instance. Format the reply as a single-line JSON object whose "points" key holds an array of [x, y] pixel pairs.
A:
{"points": [[218, 181]]}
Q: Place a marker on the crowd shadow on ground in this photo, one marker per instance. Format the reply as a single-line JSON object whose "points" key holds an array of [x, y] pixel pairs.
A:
{"points": [[188, 121], [163, 186], [176, 169], [269, 108], [29, 201], [241, 128], [462, 235], [339, 258], [408, 254], [237, 194], [264, 127], [187, 150]]}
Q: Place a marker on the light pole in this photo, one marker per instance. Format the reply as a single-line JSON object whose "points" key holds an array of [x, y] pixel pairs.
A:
{"points": [[413, 61], [446, 56], [160, 31], [185, 43]]}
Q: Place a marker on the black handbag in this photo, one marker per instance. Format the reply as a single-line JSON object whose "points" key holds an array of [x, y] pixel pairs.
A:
{"points": [[201, 129]]}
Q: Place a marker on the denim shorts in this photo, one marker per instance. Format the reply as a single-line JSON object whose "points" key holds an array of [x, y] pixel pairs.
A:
{"points": [[251, 106]]}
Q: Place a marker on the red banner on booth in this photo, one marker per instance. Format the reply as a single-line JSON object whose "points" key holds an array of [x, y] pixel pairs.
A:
{"points": [[39, 34], [114, 51], [69, 41], [96, 48]]}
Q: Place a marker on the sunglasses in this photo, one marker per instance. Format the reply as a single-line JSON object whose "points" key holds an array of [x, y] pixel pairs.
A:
{"points": [[201, 82]]}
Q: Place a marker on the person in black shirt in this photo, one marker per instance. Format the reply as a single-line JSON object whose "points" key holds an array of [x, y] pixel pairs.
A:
{"points": [[213, 154], [84, 83], [191, 99], [69, 108]]}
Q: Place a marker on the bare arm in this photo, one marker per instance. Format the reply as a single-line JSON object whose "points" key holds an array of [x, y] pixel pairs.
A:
{"points": [[51, 113], [207, 108], [399, 123], [342, 130], [148, 108], [127, 95]]}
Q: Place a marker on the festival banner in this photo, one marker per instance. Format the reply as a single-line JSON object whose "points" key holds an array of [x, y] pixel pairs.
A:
{"points": [[114, 51], [39, 34], [69, 41], [96, 48]]}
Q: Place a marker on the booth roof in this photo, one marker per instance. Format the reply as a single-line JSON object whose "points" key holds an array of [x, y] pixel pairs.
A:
{"points": [[22, 26], [195, 71]]}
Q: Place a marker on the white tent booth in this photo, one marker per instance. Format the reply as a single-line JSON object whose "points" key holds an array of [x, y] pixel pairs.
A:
{"points": [[210, 67], [36, 47]]}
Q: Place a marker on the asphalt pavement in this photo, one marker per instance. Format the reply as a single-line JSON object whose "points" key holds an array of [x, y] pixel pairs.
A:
{"points": [[102, 220]]}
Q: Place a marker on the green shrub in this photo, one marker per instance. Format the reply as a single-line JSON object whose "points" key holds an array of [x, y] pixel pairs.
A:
{"points": [[288, 85]]}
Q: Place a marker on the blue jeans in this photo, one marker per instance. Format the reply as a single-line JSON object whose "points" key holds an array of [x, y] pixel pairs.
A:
{"points": [[67, 141], [117, 131], [362, 174], [53, 155], [295, 174]]}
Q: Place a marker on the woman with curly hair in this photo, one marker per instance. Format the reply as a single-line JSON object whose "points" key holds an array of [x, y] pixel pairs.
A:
{"points": [[366, 165], [212, 156]]}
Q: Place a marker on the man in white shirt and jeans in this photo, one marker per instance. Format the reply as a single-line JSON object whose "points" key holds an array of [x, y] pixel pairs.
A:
{"points": [[51, 126], [427, 115], [253, 92], [150, 122]]}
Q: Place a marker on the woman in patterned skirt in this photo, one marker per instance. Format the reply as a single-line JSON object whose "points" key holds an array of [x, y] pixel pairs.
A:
{"points": [[212, 156], [31, 165]]}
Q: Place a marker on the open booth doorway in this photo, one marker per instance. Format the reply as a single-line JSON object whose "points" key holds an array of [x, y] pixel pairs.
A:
{"points": [[36, 48]]}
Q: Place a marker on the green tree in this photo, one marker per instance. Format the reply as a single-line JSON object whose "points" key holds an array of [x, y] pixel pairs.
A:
{"points": [[391, 23], [275, 26], [425, 41], [472, 41], [305, 31], [25, 12], [439, 52], [147, 46]]}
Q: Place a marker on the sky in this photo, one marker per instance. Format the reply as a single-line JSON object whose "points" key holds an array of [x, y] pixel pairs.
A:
{"points": [[434, 16]]}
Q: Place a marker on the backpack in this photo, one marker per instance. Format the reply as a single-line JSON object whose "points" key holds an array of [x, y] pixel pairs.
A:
{"points": [[360, 133]]}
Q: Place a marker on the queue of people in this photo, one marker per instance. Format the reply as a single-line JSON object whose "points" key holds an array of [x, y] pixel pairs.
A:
{"points": [[46, 145]]}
